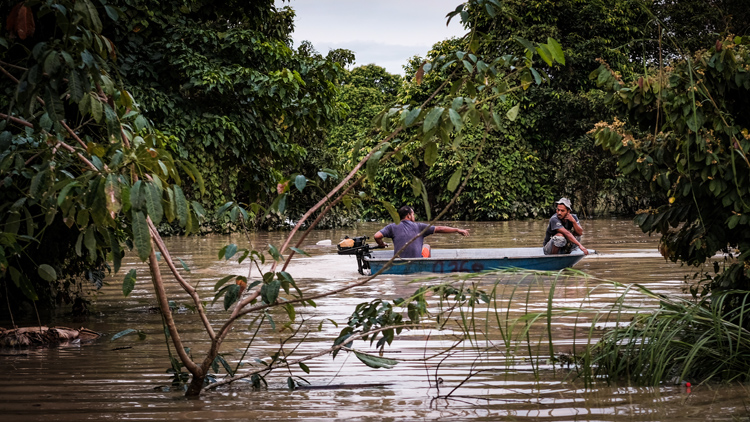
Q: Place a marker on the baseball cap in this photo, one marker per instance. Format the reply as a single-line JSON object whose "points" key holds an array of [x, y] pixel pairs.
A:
{"points": [[564, 201]]}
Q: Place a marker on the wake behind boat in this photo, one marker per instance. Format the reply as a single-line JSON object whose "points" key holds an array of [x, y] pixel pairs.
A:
{"points": [[458, 260]]}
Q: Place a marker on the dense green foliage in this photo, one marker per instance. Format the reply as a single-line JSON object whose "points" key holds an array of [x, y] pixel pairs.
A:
{"points": [[687, 135], [229, 92], [82, 169]]}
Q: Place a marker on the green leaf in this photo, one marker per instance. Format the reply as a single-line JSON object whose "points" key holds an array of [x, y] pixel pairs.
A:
{"points": [[432, 119], [454, 180], [275, 253], [372, 165], [300, 182], [137, 197], [556, 49], [184, 265], [223, 281], [513, 113], [304, 367], [430, 153], [128, 284], [416, 186], [299, 251], [392, 211], [123, 333], [456, 119], [230, 251], [89, 240], [153, 203], [545, 54], [375, 361], [231, 295], [270, 292], [64, 192], [47, 272], [141, 235]]}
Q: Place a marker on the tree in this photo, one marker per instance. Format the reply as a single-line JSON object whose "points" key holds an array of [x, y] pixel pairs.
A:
{"points": [[229, 91], [687, 136]]}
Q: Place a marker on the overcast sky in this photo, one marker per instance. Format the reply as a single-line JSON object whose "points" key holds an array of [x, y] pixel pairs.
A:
{"points": [[384, 32]]}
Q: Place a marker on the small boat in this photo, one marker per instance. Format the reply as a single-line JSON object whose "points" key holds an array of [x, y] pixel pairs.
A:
{"points": [[456, 260], [473, 260]]}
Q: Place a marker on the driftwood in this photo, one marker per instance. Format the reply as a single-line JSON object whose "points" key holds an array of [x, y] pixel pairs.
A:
{"points": [[45, 336]]}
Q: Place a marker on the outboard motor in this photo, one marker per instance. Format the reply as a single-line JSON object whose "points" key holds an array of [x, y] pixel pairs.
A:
{"points": [[357, 246]]}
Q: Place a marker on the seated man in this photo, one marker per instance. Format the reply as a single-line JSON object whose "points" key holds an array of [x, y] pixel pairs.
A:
{"points": [[407, 230], [564, 231]]}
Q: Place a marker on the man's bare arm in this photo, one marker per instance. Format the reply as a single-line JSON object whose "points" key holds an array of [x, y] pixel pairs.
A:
{"points": [[379, 240], [446, 229], [568, 235]]}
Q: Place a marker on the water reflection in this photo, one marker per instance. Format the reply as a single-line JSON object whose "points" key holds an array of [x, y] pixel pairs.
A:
{"points": [[126, 379]]}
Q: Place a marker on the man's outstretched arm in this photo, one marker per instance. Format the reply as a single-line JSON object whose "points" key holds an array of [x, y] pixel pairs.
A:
{"points": [[446, 229]]}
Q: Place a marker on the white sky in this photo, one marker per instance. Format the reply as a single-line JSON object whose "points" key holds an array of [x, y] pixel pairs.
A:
{"points": [[384, 32]]}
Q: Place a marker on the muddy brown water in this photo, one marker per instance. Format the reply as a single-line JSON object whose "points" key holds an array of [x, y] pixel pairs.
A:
{"points": [[126, 379]]}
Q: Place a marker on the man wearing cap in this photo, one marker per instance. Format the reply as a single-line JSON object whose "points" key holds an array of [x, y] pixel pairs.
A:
{"points": [[564, 231]]}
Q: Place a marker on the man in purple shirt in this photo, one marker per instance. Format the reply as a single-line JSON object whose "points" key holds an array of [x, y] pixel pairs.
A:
{"points": [[407, 230]]}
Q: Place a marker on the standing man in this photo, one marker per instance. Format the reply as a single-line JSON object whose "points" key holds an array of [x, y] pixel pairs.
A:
{"points": [[564, 231], [407, 230]]}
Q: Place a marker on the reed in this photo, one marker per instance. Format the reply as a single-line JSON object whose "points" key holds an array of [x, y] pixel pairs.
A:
{"points": [[640, 336]]}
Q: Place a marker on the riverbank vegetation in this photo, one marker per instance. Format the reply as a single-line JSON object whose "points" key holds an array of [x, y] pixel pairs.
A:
{"points": [[126, 119]]}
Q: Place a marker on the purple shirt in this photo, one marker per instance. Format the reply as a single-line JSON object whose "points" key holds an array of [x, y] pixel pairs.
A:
{"points": [[404, 232]]}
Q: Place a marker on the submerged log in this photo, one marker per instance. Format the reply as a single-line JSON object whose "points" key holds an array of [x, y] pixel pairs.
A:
{"points": [[45, 336]]}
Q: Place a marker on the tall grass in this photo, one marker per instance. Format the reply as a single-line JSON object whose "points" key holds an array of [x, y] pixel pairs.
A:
{"points": [[639, 336]]}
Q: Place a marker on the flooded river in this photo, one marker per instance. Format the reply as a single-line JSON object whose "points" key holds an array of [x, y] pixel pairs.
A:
{"points": [[126, 379]]}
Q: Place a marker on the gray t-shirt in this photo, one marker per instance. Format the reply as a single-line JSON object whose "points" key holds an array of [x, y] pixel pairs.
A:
{"points": [[555, 223], [404, 232]]}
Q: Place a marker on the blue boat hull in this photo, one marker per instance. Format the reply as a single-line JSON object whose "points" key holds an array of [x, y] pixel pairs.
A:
{"points": [[474, 260]]}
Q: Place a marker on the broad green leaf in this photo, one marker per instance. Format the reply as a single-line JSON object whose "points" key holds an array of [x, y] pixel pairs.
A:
{"points": [[299, 251], [47, 272], [416, 186], [230, 251], [430, 153], [372, 165], [89, 240], [454, 180], [456, 119], [137, 196], [513, 113], [153, 203], [392, 211], [231, 295], [64, 192], [275, 253], [304, 367], [375, 361], [270, 292], [128, 284], [141, 235], [411, 116], [556, 49], [223, 281], [432, 119], [300, 182], [545, 54], [181, 205]]}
